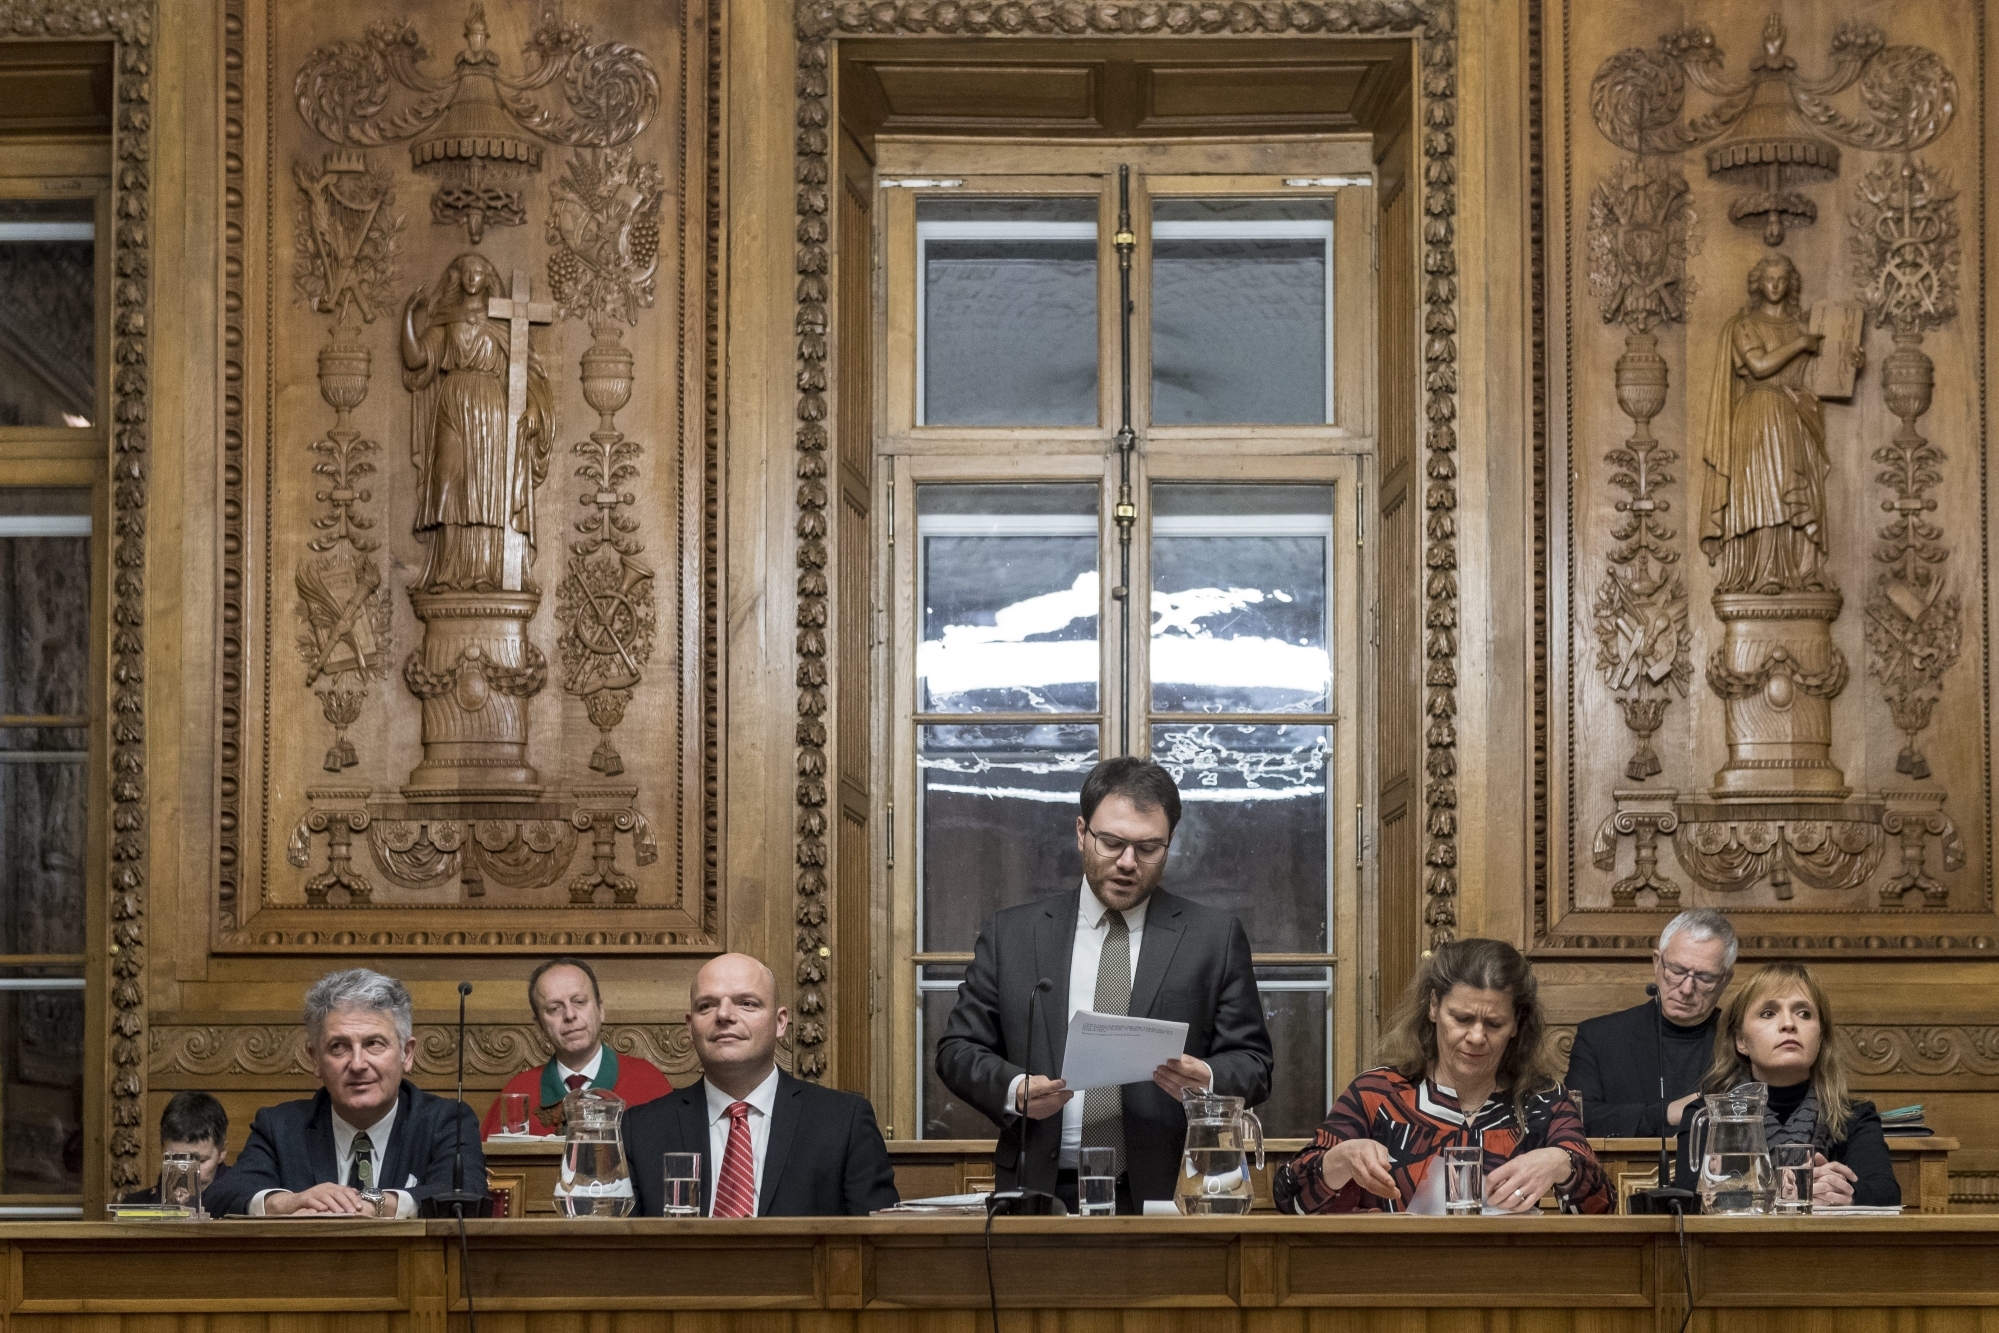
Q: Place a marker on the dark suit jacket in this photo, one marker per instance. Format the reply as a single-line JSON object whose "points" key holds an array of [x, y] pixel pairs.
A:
{"points": [[291, 1148], [1614, 1069], [1193, 968], [825, 1156]]}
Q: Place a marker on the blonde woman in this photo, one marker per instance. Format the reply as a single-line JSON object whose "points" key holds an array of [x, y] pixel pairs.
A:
{"points": [[1778, 1031]]}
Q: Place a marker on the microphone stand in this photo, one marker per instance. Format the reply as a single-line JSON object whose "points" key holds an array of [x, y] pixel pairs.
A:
{"points": [[1021, 1201], [459, 1202], [1665, 1197]]}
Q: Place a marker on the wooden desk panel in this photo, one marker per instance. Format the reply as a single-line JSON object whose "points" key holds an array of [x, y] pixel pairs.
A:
{"points": [[905, 1275]]}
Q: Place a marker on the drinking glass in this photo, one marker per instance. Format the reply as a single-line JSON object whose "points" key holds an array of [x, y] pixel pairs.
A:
{"points": [[180, 1181], [1792, 1163], [514, 1113], [1464, 1181], [683, 1185], [1096, 1183]]}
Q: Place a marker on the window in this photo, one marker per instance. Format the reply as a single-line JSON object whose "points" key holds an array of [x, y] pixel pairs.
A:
{"points": [[1014, 662]]}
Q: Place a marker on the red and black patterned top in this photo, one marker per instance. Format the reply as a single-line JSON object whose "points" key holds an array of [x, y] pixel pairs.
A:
{"points": [[1416, 1121]]}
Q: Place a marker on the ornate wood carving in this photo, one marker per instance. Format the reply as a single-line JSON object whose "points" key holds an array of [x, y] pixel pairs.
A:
{"points": [[129, 27], [820, 22], [1779, 827], [1929, 1052], [500, 1050], [504, 814]]}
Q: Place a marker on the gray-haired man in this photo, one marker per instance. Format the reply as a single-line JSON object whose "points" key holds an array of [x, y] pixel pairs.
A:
{"points": [[369, 1142], [1618, 1059]]}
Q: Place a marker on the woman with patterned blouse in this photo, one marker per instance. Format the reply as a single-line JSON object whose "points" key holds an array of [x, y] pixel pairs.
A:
{"points": [[1465, 1066]]}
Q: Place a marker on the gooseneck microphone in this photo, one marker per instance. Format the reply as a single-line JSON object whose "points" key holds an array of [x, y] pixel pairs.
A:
{"points": [[1666, 1197], [460, 1202], [1021, 1201]]}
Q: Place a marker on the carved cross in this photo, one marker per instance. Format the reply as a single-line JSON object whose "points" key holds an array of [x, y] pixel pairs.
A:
{"points": [[520, 313]]}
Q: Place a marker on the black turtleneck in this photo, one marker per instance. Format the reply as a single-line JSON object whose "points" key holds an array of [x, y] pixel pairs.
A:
{"points": [[1783, 1101], [1615, 1063]]}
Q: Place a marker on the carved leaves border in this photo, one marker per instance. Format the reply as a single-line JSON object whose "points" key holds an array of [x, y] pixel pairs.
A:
{"points": [[820, 22], [129, 28]]}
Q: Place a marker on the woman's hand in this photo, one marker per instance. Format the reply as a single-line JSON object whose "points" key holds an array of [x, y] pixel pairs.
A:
{"points": [[1832, 1182], [1361, 1162], [1517, 1186]]}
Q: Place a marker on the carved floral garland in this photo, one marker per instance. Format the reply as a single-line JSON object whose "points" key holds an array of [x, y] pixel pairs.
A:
{"points": [[820, 22]]}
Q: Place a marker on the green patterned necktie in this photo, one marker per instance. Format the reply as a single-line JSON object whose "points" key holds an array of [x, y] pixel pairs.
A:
{"points": [[361, 1175], [1103, 1108]]}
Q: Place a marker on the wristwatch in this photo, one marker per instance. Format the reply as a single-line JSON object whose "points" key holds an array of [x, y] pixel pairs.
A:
{"points": [[382, 1205]]}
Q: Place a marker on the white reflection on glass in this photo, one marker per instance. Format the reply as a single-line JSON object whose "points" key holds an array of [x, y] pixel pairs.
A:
{"points": [[1009, 612], [1239, 608]]}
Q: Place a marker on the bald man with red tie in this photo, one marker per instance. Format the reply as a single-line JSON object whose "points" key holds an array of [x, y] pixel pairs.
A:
{"points": [[771, 1145]]}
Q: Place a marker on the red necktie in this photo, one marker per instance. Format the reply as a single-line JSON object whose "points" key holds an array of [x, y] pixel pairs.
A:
{"points": [[736, 1187], [575, 1081]]}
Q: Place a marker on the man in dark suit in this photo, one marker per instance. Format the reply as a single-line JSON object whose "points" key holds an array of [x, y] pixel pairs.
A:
{"points": [[369, 1142], [1116, 944], [770, 1145]]}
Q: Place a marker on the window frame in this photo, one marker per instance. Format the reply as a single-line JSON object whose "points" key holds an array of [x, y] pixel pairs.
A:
{"points": [[1339, 453]]}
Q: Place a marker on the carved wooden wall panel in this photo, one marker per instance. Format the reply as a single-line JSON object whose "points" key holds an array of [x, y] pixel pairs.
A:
{"points": [[1768, 682], [467, 705]]}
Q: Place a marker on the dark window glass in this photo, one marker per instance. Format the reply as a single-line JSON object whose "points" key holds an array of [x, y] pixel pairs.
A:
{"points": [[48, 312]]}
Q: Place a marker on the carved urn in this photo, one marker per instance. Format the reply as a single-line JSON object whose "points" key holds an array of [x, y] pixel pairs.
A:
{"points": [[607, 372], [1908, 377], [343, 373], [1641, 379]]}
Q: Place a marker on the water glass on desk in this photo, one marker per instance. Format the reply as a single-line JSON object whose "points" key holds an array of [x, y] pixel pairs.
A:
{"points": [[1464, 1181], [1096, 1182], [683, 1185], [1792, 1163], [514, 1113], [180, 1182]]}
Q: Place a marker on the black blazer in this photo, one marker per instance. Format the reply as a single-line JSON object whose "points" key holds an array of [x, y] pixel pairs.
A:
{"points": [[825, 1156], [1614, 1069], [291, 1148], [1193, 968]]}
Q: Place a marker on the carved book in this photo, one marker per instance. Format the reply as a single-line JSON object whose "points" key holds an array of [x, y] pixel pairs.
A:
{"points": [[1833, 372]]}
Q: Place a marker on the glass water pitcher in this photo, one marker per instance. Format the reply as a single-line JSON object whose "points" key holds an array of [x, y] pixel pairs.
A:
{"points": [[594, 1180], [1727, 1143], [1214, 1168]]}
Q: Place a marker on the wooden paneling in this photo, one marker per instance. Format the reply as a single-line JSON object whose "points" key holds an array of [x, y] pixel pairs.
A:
{"points": [[55, 89]]}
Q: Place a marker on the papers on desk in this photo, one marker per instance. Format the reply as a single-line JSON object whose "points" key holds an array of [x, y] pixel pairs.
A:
{"points": [[1855, 1210], [938, 1205], [1109, 1050]]}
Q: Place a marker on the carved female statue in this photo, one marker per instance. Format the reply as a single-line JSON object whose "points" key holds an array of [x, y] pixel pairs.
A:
{"points": [[1763, 519], [474, 507]]}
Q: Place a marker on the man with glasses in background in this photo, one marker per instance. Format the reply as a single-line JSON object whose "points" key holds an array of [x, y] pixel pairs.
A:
{"points": [[1115, 944], [1615, 1066]]}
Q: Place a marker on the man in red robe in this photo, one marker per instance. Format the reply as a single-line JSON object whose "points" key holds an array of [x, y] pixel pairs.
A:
{"points": [[569, 1009]]}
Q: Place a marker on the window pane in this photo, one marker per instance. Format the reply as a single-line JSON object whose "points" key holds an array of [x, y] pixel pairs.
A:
{"points": [[998, 822], [44, 677], [940, 1112], [1241, 298], [48, 312], [1253, 795], [1239, 598], [1007, 312], [41, 1061], [1008, 588], [1297, 1020]]}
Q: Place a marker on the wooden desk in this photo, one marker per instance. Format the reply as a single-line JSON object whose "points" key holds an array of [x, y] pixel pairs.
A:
{"points": [[1922, 1167], [897, 1275]]}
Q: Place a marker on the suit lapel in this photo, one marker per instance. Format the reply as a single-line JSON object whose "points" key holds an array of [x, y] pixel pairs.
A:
{"points": [[319, 1141], [784, 1115], [394, 1160], [1155, 951], [1054, 943], [693, 1110]]}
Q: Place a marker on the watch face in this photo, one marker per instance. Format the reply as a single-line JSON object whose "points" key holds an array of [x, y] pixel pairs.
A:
{"points": [[374, 1200]]}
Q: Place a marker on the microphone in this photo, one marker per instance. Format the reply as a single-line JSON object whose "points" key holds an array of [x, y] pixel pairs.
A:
{"points": [[1665, 1198], [460, 1202], [1021, 1201]]}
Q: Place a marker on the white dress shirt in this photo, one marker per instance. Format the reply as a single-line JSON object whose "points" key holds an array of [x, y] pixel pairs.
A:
{"points": [[588, 1071], [1084, 961], [343, 1161], [761, 1099]]}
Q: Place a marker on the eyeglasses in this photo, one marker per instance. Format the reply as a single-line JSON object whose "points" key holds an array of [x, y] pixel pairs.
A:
{"points": [[1149, 852], [1677, 976]]}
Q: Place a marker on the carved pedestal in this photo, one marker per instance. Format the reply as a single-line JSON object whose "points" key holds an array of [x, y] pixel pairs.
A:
{"points": [[475, 673], [1778, 670]]}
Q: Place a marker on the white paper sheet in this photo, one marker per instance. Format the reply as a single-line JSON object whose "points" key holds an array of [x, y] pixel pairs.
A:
{"points": [[1107, 1050]]}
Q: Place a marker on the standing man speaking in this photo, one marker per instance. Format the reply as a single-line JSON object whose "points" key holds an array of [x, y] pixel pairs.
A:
{"points": [[1116, 944]]}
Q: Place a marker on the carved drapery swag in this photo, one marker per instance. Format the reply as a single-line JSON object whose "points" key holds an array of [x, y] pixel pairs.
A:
{"points": [[487, 810], [1777, 811]]}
